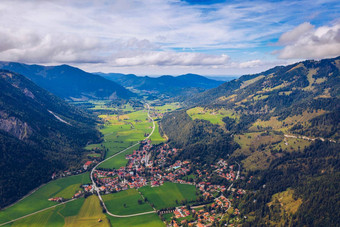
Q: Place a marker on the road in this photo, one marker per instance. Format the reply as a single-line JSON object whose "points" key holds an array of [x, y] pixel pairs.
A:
{"points": [[94, 184], [237, 175], [94, 168]]}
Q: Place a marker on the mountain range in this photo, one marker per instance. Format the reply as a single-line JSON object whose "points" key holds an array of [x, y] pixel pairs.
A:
{"points": [[283, 126], [168, 85], [69, 82]]}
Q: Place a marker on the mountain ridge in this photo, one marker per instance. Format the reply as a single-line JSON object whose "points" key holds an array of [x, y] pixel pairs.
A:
{"points": [[39, 134], [69, 82], [166, 84]]}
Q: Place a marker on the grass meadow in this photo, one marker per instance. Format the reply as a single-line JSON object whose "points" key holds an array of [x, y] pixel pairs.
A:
{"points": [[166, 195], [148, 220], [126, 202], [39, 199]]}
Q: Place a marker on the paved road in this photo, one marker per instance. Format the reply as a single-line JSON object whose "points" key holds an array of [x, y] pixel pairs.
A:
{"points": [[94, 168], [237, 176], [94, 184]]}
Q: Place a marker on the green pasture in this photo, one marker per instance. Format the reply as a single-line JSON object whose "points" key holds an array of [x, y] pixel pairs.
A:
{"points": [[214, 116], [52, 217], [166, 195], [126, 202], [39, 199], [147, 220]]}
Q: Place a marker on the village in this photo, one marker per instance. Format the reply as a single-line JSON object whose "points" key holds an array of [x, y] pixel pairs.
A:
{"points": [[154, 165]]}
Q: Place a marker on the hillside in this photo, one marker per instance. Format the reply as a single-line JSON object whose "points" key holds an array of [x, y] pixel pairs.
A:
{"points": [[69, 82], [286, 125], [39, 134], [168, 85]]}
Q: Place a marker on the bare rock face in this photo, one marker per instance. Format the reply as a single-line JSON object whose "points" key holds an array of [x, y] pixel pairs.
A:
{"points": [[28, 93], [14, 126]]}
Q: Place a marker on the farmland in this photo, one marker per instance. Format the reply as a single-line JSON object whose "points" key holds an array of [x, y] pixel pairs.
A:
{"points": [[166, 195], [81, 212], [122, 131], [39, 199], [148, 220], [126, 202], [52, 217]]}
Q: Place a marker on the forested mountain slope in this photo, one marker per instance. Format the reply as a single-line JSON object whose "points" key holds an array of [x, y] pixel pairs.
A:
{"points": [[69, 82], [286, 126], [39, 134], [168, 85]]}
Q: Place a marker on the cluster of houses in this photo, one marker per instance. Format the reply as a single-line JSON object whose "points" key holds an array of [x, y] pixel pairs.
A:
{"points": [[141, 170], [181, 212]]}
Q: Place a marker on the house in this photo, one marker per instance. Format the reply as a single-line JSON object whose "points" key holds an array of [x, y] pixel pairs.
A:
{"points": [[87, 164]]}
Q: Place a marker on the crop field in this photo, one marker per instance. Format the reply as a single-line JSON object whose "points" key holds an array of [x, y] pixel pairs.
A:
{"points": [[126, 202], [39, 199], [118, 161], [89, 214], [166, 195], [120, 134], [148, 220], [52, 217], [81, 212], [123, 131], [214, 116], [167, 107], [156, 137]]}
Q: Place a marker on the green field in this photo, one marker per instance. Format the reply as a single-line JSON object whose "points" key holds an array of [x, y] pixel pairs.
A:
{"points": [[167, 107], [166, 195], [39, 199], [156, 138], [123, 131], [214, 116], [52, 217], [81, 212], [126, 202], [148, 220], [89, 214]]}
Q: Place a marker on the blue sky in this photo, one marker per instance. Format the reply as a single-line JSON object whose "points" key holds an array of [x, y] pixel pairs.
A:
{"points": [[155, 37]]}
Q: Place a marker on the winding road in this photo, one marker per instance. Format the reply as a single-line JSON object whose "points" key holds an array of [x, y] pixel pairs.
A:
{"points": [[94, 184], [94, 169]]}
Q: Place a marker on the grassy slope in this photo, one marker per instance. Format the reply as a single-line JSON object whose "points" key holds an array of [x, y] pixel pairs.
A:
{"points": [[39, 199], [115, 202], [214, 116], [166, 195]]}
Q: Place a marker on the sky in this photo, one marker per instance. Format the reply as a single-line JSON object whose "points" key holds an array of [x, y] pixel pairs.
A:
{"points": [[158, 37]]}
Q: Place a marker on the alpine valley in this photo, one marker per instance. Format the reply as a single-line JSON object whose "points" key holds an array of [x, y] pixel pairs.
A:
{"points": [[116, 149]]}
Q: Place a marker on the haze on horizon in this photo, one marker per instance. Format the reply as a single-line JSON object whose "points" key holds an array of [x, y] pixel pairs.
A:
{"points": [[156, 37]]}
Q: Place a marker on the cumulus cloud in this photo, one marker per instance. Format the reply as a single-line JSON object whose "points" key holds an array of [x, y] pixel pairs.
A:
{"points": [[165, 58], [156, 33], [306, 41], [250, 64], [30, 47]]}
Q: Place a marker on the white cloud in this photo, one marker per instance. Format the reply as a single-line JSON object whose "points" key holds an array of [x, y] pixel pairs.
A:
{"points": [[157, 33], [162, 58], [250, 64], [306, 41]]}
